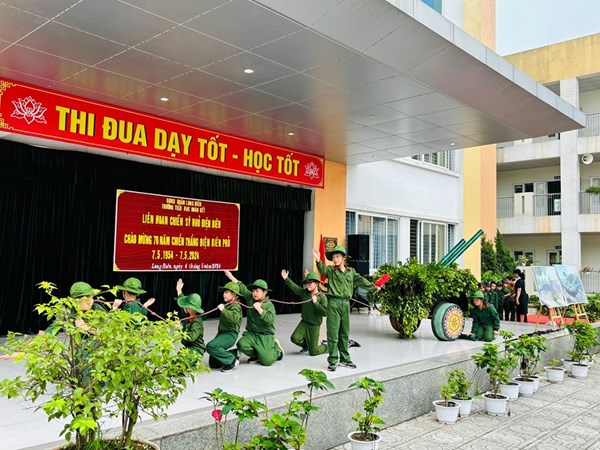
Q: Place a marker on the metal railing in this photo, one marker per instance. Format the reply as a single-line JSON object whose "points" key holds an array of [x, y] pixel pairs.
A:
{"points": [[589, 203], [591, 282], [505, 207], [543, 205], [546, 205], [592, 126]]}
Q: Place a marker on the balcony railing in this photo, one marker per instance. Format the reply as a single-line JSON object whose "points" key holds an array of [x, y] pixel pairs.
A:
{"points": [[592, 126], [534, 205], [589, 203], [591, 282], [505, 207]]}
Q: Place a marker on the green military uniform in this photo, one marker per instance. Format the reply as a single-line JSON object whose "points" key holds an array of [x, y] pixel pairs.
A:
{"points": [[258, 341], [193, 325], [499, 301], [341, 287], [485, 322], [133, 286], [306, 334], [227, 333]]}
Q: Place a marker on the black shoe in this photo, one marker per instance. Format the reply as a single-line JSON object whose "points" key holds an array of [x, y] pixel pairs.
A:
{"points": [[230, 367], [352, 343], [332, 367], [252, 360], [348, 364], [303, 350], [324, 342]]}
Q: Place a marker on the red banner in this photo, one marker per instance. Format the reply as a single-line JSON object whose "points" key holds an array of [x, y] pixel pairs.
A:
{"points": [[34, 111], [156, 232]]}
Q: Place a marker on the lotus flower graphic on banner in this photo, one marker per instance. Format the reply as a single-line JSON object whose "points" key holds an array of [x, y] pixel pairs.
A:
{"points": [[29, 109]]}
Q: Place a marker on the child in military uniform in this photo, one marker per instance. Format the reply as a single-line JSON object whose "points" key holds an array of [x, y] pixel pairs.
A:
{"points": [[258, 341], [342, 281], [499, 299], [306, 334], [192, 325], [132, 289], [486, 322], [229, 328]]}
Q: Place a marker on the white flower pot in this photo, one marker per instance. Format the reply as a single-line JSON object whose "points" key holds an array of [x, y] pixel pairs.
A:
{"points": [[526, 387], [511, 390], [363, 445], [495, 406], [567, 364], [465, 406], [446, 414], [555, 374], [579, 371], [536, 382]]}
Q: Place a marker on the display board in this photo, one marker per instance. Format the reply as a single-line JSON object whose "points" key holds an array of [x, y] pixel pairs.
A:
{"points": [[572, 286], [548, 286], [164, 233]]}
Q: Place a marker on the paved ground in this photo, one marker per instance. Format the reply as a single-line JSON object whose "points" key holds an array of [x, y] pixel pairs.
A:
{"points": [[557, 417]]}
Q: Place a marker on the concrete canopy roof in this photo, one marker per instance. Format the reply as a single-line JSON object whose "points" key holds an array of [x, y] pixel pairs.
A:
{"points": [[354, 80]]}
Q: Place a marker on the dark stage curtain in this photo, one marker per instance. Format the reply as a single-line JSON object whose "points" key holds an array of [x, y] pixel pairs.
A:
{"points": [[57, 224]]}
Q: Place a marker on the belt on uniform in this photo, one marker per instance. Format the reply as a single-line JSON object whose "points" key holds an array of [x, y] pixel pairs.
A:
{"points": [[264, 333], [334, 297]]}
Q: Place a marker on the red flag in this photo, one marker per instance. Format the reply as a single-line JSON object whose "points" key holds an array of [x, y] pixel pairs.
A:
{"points": [[384, 279], [322, 252]]}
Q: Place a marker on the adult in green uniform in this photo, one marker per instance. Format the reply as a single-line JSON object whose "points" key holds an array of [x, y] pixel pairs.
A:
{"points": [[486, 322], [306, 334], [132, 289], [342, 281], [258, 340], [229, 327], [192, 325]]}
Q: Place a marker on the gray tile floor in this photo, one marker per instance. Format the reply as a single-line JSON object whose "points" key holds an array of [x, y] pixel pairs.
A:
{"points": [[557, 417], [21, 426]]}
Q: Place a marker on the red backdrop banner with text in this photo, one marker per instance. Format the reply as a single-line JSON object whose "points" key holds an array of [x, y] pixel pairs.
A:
{"points": [[34, 111], [157, 232]]}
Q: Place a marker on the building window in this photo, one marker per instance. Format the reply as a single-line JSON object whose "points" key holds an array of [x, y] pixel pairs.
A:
{"points": [[443, 159], [524, 257], [383, 236], [434, 4], [524, 187], [429, 242]]}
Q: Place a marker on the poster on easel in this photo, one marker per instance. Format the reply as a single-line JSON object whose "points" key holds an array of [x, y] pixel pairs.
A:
{"points": [[571, 284], [548, 286]]}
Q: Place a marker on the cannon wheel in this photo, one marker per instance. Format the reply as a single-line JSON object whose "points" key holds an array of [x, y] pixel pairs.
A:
{"points": [[447, 321], [397, 325]]}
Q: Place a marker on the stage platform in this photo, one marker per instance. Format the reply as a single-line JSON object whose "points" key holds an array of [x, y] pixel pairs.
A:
{"points": [[412, 370]]}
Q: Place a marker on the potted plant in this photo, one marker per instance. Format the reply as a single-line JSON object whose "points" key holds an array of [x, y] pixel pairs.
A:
{"points": [[447, 410], [288, 430], [225, 404], [527, 349], [511, 387], [366, 436], [100, 359], [585, 339], [498, 369], [413, 289], [460, 390], [555, 372]]}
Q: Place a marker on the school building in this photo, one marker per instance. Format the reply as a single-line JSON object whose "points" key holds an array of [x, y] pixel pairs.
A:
{"points": [[543, 209], [376, 118]]}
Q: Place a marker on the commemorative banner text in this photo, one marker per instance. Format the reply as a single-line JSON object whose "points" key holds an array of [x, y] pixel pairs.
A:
{"points": [[34, 111], [155, 232]]}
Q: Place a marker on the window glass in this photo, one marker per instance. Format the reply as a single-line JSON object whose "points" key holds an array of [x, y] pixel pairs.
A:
{"points": [[392, 241], [378, 239]]}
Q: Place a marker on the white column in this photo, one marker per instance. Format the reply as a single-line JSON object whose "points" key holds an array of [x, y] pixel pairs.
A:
{"points": [[569, 182]]}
